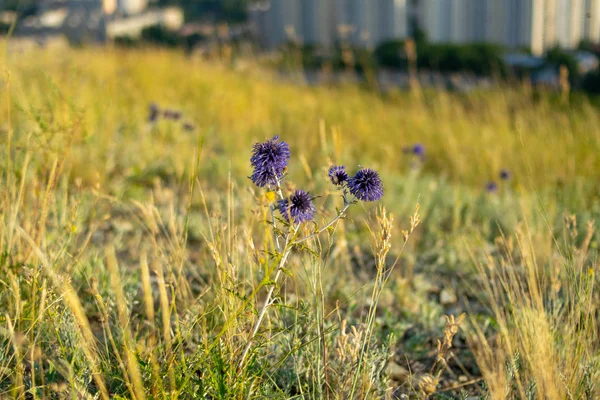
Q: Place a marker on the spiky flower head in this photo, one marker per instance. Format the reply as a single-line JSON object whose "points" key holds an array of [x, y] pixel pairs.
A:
{"points": [[338, 175], [172, 114], [418, 149], [504, 174], [153, 112], [297, 208], [491, 187], [269, 160], [366, 185]]}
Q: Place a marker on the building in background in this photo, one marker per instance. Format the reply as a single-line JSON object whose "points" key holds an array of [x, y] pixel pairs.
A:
{"points": [[285, 22], [511, 23], [366, 23], [591, 21], [391, 20], [110, 6], [95, 20], [78, 20], [318, 22], [170, 18], [363, 23], [536, 25], [533, 24], [524, 24], [568, 24], [130, 7]]}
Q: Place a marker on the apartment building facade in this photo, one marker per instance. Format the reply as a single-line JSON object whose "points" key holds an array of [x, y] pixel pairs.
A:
{"points": [[532, 24]]}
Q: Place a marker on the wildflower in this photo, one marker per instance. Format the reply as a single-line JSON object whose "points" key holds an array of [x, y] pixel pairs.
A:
{"points": [[188, 127], [172, 114], [504, 174], [154, 112], [270, 196], [338, 175], [418, 149], [298, 208], [366, 185], [269, 160], [491, 187]]}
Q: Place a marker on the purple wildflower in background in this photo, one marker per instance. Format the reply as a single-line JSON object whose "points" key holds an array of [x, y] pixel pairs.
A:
{"points": [[297, 208], [269, 160], [188, 127], [366, 185], [338, 175], [491, 187], [172, 114], [504, 174], [418, 149], [153, 112]]}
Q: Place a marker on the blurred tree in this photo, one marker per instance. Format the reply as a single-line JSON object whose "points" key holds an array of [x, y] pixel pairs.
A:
{"points": [[160, 36], [420, 37], [220, 10], [22, 7], [591, 83], [391, 54], [589, 46], [479, 58], [557, 56]]}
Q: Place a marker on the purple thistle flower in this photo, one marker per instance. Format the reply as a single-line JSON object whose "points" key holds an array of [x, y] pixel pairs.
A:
{"points": [[418, 149], [153, 112], [504, 174], [366, 185], [338, 175], [172, 114], [298, 208], [269, 160], [491, 187]]}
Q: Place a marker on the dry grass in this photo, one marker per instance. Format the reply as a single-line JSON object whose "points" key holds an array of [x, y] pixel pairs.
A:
{"points": [[135, 257]]}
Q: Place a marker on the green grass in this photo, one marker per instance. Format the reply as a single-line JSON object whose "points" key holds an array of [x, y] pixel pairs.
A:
{"points": [[135, 258]]}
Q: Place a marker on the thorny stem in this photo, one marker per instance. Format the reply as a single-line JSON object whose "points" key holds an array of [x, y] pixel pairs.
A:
{"points": [[280, 194], [277, 245], [289, 244]]}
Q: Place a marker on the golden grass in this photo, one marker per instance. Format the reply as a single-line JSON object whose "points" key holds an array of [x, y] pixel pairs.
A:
{"points": [[135, 257], [100, 97]]}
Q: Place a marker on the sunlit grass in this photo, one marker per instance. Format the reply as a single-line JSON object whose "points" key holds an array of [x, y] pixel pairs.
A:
{"points": [[134, 255]]}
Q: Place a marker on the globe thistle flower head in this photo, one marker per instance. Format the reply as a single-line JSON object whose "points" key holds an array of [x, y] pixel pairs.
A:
{"points": [[366, 185], [418, 149], [297, 208], [269, 160], [338, 175], [504, 174], [491, 187], [153, 112], [172, 114]]}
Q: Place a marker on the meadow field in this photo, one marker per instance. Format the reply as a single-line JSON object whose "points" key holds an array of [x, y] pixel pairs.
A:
{"points": [[138, 260]]}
